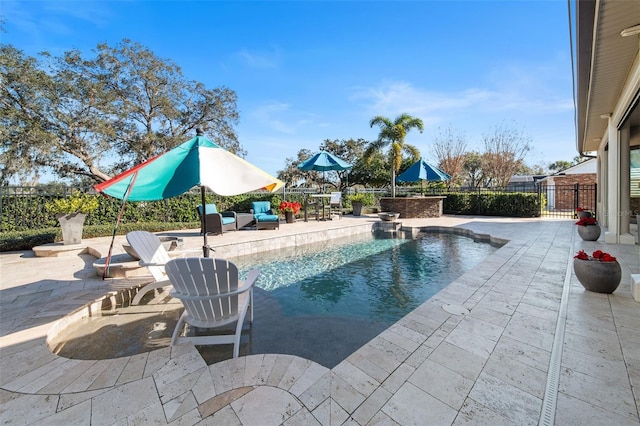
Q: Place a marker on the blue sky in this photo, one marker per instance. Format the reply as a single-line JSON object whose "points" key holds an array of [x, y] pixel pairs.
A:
{"points": [[307, 71]]}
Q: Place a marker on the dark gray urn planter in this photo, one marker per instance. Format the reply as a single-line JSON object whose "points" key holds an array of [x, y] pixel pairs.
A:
{"points": [[71, 225], [357, 208], [598, 276], [288, 217], [589, 232]]}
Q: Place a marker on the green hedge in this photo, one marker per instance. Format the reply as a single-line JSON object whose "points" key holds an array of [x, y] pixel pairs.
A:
{"points": [[510, 204], [26, 240], [27, 224], [22, 213]]}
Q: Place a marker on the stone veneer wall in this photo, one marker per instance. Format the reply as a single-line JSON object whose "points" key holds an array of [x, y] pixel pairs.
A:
{"points": [[287, 241], [409, 207]]}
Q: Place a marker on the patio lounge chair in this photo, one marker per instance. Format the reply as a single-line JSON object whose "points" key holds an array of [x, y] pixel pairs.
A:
{"points": [[212, 296], [263, 215], [217, 222]]}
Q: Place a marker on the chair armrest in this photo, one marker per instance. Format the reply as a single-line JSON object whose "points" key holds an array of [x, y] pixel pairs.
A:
{"points": [[252, 277], [141, 263], [229, 213]]}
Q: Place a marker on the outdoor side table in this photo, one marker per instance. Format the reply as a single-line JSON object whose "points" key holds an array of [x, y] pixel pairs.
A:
{"points": [[244, 220]]}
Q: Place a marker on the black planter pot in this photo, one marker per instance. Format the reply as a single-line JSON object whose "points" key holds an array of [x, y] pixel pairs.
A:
{"points": [[357, 208], [598, 276], [288, 216]]}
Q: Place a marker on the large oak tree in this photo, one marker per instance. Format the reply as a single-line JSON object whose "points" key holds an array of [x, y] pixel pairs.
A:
{"points": [[92, 117]]}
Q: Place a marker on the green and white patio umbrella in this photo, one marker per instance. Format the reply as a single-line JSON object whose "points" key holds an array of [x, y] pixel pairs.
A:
{"points": [[197, 162]]}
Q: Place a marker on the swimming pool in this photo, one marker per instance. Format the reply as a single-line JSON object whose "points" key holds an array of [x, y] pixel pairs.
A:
{"points": [[364, 277], [320, 302]]}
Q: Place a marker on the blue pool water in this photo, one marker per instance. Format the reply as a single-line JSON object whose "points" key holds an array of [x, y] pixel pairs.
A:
{"points": [[364, 277]]}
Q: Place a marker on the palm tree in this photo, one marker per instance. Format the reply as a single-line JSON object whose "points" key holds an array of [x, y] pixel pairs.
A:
{"points": [[393, 134]]}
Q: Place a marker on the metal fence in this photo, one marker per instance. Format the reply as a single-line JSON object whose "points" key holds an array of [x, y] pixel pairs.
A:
{"points": [[564, 200]]}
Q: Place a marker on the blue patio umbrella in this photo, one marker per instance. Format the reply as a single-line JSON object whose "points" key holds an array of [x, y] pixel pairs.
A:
{"points": [[323, 161], [422, 170]]}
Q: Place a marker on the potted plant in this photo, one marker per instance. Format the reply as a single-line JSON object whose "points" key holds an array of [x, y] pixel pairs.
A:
{"points": [[588, 228], [582, 213], [290, 208], [600, 272], [359, 200], [71, 212]]}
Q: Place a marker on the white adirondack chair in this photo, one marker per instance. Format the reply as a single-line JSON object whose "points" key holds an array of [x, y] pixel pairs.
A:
{"points": [[212, 296], [154, 256]]}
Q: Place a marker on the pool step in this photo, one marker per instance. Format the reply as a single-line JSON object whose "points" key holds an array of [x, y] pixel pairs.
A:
{"points": [[120, 266], [387, 226]]}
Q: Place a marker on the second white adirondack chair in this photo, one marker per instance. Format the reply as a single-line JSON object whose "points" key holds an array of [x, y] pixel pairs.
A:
{"points": [[212, 296]]}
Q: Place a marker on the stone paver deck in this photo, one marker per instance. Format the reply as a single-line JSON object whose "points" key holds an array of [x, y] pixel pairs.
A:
{"points": [[479, 352]]}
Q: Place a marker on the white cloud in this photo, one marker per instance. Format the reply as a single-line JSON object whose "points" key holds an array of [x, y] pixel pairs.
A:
{"points": [[509, 90], [260, 59], [282, 118]]}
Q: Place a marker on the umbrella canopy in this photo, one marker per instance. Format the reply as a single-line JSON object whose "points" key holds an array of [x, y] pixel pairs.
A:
{"points": [[422, 170], [195, 162], [323, 161]]}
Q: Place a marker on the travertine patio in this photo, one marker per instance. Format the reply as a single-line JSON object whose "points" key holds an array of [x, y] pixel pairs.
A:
{"points": [[485, 350]]}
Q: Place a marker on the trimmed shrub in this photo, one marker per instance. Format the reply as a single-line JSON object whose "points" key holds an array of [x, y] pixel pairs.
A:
{"points": [[510, 204], [26, 240]]}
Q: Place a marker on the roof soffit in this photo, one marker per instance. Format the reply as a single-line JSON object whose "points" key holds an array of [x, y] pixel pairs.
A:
{"points": [[601, 75]]}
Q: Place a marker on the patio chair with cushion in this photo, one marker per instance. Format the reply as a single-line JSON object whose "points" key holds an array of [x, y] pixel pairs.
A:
{"points": [[263, 215], [217, 222], [212, 296]]}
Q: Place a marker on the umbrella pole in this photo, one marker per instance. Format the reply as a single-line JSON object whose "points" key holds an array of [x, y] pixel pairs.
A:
{"points": [[324, 183], [205, 247], [105, 271]]}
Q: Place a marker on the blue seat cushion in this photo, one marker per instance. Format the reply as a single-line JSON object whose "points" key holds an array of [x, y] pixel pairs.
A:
{"points": [[228, 220], [267, 217]]}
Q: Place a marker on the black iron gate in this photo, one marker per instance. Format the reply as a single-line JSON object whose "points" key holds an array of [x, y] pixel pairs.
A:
{"points": [[564, 200]]}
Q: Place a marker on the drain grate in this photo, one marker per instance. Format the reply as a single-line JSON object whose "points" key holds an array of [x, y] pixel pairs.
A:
{"points": [[547, 417]]}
